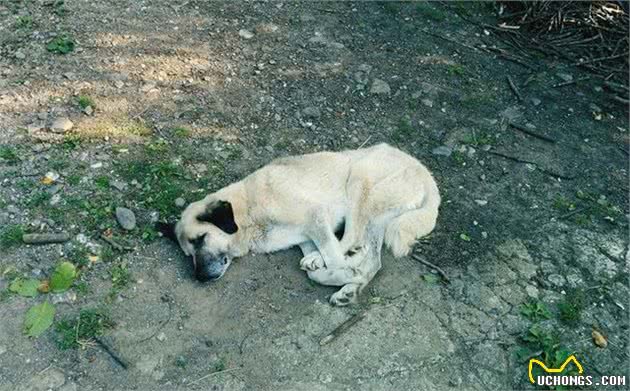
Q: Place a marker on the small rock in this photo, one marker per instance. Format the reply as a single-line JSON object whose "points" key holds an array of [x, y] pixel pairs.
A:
{"points": [[161, 337], [481, 202], [442, 150], [119, 84], [246, 34], [200, 168], [96, 165], [556, 280], [34, 127], [148, 87], [126, 218], [380, 87], [531, 291], [12, 209], [154, 216], [311, 112], [42, 116], [118, 185], [598, 89], [67, 297], [88, 110], [427, 102], [564, 76], [180, 202], [536, 101], [50, 177], [61, 125], [265, 28], [19, 55], [55, 199]]}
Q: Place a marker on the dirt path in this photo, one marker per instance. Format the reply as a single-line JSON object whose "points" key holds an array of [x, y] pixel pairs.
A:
{"points": [[186, 97]]}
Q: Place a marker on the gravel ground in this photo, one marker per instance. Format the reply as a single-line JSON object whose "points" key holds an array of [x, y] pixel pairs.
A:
{"points": [[157, 103]]}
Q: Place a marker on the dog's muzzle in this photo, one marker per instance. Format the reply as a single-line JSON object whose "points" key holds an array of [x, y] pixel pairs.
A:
{"points": [[208, 267]]}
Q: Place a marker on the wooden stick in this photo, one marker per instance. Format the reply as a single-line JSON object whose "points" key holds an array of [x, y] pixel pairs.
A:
{"points": [[46, 238], [514, 89], [518, 160], [342, 328], [109, 350], [116, 245], [432, 266], [212, 374], [533, 134], [566, 83]]}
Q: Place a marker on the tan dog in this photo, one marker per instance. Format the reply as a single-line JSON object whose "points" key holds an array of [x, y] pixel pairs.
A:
{"points": [[373, 195]]}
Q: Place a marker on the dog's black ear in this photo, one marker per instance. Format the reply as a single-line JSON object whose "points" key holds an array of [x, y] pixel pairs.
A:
{"points": [[221, 215], [167, 230]]}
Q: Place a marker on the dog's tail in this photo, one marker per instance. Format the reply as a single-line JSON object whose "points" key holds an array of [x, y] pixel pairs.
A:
{"points": [[402, 232]]}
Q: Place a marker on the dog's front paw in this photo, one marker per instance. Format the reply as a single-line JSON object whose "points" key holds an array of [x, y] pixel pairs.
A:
{"points": [[312, 261], [344, 296]]}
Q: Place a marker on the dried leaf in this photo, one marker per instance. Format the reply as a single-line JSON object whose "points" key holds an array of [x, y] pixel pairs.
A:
{"points": [[24, 287], [599, 339], [38, 319], [44, 286], [63, 277]]}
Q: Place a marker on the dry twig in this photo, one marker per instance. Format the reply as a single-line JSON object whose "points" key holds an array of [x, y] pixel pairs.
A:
{"points": [[514, 89], [432, 266], [342, 328], [531, 133]]}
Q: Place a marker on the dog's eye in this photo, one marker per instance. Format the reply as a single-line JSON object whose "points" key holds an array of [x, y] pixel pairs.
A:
{"points": [[198, 242]]}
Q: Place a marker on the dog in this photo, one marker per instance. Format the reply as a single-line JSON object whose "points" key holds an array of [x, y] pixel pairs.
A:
{"points": [[370, 197]]}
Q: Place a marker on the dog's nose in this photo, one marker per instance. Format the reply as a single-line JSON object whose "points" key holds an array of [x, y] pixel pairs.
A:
{"points": [[206, 275]]}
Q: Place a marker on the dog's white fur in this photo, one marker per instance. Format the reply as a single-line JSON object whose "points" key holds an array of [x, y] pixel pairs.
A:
{"points": [[381, 193]]}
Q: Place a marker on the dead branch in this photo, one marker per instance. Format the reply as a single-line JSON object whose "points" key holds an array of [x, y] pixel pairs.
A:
{"points": [[531, 133], [116, 245], [432, 266], [109, 350], [514, 89], [342, 328], [543, 170], [46, 238]]}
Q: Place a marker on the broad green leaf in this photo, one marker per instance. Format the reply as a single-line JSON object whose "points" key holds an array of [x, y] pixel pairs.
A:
{"points": [[24, 287], [63, 277], [38, 319], [430, 278]]}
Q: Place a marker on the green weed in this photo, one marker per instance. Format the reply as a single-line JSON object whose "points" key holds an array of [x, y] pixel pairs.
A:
{"points": [[572, 306], [11, 236], [9, 155], [75, 332], [535, 311], [85, 101], [61, 45], [24, 22]]}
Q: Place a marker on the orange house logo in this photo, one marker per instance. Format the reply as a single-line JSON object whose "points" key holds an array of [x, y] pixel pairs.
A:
{"points": [[569, 359]]}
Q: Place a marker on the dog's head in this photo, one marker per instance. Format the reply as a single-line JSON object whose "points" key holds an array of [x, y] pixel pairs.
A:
{"points": [[206, 232]]}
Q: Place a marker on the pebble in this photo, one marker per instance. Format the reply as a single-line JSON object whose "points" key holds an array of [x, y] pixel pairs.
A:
{"points": [[536, 101], [311, 112], [88, 110], [161, 337], [148, 87], [126, 218], [442, 150], [246, 34], [180, 202], [20, 55], [154, 216], [118, 185], [427, 102], [564, 76], [556, 279], [55, 199], [67, 297], [61, 125], [119, 84], [531, 291], [380, 87], [481, 202], [96, 165]]}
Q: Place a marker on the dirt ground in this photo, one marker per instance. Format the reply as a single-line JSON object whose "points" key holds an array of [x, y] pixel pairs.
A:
{"points": [[173, 99]]}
